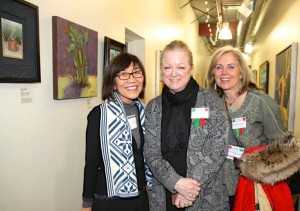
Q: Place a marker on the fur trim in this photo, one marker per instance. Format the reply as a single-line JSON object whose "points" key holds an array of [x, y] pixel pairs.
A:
{"points": [[277, 162]]}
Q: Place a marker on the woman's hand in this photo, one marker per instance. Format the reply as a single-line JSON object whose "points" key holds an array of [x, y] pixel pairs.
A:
{"points": [[86, 209], [180, 202], [188, 188]]}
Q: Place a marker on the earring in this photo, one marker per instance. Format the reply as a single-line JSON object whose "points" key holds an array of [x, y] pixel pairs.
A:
{"points": [[215, 86]]}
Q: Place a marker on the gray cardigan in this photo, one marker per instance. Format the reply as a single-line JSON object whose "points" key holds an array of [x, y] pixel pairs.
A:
{"points": [[263, 123], [207, 150]]}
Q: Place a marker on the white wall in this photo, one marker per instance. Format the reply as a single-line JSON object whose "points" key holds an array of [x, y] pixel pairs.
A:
{"points": [[42, 143], [278, 30]]}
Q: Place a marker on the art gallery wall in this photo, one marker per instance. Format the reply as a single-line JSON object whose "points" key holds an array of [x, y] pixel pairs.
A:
{"points": [[278, 30], [42, 143]]}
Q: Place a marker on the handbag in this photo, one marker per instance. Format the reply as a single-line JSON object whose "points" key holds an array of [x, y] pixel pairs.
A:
{"points": [[294, 183]]}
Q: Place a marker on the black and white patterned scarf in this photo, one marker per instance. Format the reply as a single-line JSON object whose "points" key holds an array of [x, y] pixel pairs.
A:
{"points": [[117, 151]]}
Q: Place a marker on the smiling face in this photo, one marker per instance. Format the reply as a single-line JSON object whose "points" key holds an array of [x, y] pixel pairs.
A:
{"points": [[227, 73], [176, 69], [130, 88]]}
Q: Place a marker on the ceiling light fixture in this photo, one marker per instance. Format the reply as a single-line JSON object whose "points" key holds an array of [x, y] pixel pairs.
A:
{"points": [[248, 48], [225, 33]]}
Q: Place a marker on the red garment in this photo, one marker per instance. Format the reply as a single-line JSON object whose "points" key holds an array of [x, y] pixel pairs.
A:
{"points": [[279, 194]]}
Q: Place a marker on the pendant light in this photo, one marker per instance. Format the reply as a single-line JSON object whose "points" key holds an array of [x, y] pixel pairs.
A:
{"points": [[225, 33]]}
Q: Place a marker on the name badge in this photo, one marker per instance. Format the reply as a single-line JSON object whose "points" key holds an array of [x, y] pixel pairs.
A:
{"points": [[200, 113], [238, 123], [235, 152], [132, 121]]}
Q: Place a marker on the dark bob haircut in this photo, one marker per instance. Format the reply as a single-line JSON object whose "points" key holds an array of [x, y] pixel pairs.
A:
{"points": [[116, 65]]}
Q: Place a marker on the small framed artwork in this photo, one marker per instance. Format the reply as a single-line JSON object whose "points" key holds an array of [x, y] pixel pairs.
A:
{"points": [[264, 76], [74, 60], [254, 76], [285, 84], [112, 48], [158, 74], [19, 41]]}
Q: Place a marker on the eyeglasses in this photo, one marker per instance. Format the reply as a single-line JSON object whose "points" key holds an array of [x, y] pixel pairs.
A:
{"points": [[229, 67], [126, 76]]}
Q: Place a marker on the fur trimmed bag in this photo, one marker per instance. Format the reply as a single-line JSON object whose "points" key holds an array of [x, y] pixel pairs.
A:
{"points": [[274, 163]]}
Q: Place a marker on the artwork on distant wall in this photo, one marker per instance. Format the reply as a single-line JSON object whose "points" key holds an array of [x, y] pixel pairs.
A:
{"points": [[158, 74], [204, 80], [254, 76], [112, 48], [19, 41], [75, 55], [264, 76], [285, 87]]}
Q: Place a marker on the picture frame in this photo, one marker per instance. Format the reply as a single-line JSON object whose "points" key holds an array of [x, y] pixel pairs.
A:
{"points": [[254, 72], [158, 74], [264, 76], [112, 48], [75, 53], [19, 41], [285, 84]]}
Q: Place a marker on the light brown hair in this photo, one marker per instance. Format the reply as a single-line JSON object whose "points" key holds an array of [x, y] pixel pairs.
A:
{"points": [[247, 75]]}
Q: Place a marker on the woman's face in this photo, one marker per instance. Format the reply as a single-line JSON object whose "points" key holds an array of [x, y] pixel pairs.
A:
{"points": [[227, 73], [129, 89], [176, 70]]}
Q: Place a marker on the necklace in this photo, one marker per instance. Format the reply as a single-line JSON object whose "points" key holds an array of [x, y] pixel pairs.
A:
{"points": [[242, 97], [229, 105]]}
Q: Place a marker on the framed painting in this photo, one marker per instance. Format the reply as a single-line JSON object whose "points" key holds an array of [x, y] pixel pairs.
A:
{"points": [[112, 48], [158, 74], [74, 60], [264, 76], [285, 84], [254, 72], [19, 41]]}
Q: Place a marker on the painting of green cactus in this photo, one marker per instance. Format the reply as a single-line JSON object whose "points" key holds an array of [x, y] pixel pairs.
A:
{"points": [[74, 60]]}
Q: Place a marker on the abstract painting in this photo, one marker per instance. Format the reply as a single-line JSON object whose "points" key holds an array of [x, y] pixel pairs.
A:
{"points": [[285, 84]]}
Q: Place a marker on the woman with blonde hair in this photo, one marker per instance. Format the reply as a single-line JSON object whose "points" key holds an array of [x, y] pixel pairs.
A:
{"points": [[186, 139], [255, 116]]}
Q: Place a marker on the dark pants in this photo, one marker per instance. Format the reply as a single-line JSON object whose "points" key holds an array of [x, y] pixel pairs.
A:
{"points": [[138, 203]]}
